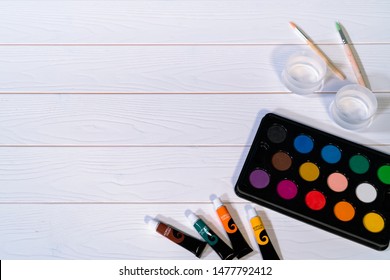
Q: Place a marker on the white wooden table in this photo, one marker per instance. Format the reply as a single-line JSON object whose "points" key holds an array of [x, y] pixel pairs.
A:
{"points": [[114, 110]]}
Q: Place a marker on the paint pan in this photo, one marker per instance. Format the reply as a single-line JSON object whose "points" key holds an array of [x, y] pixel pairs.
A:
{"points": [[319, 178]]}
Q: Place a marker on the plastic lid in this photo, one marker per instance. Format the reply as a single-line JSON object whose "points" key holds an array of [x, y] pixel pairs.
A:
{"points": [[153, 224], [251, 211], [217, 203], [191, 217]]}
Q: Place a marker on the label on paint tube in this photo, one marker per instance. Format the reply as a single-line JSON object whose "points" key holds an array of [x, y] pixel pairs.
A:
{"points": [[259, 231], [170, 233], [192, 244], [206, 232], [227, 220]]}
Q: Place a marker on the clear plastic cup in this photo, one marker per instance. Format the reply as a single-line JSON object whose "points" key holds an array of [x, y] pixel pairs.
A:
{"points": [[304, 73], [354, 107]]}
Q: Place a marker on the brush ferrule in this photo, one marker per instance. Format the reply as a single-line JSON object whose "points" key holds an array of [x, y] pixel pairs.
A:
{"points": [[302, 34], [343, 38]]}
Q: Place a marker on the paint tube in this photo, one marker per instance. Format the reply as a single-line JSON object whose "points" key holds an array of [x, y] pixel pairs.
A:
{"points": [[240, 246], [267, 250], [220, 247], [192, 244]]}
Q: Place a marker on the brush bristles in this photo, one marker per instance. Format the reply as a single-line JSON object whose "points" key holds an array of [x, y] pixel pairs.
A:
{"points": [[338, 26]]}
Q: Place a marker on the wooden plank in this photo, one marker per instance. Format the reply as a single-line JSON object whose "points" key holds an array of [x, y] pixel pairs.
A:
{"points": [[125, 175], [170, 69], [189, 22], [165, 119], [118, 231], [143, 174]]}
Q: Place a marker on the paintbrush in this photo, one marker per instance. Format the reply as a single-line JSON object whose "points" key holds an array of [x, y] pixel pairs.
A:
{"points": [[350, 56], [332, 67]]}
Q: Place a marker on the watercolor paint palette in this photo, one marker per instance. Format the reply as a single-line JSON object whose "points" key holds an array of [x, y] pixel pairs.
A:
{"points": [[319, 178]]}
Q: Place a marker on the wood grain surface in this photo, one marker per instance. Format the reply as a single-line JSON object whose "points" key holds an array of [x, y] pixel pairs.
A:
{"points": [[111, 111]]}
